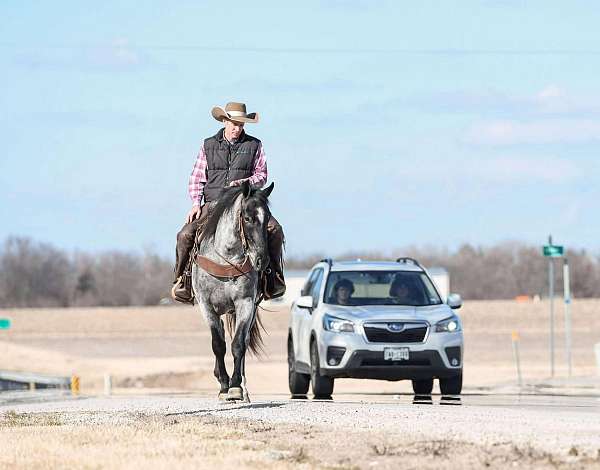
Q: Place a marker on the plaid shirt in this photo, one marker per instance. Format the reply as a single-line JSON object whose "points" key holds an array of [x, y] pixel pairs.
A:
{"points": [[198, 176]]}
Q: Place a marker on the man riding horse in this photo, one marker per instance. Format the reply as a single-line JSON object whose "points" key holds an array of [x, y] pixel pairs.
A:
{"points": [[229, 158]]}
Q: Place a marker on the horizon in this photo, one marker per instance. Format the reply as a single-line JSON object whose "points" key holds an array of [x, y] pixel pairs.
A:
{"points": [[380, 254], [383, 123]]}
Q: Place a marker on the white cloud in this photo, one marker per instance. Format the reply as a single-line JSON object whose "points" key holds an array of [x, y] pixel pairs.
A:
{"points": [[550, 92], [548, 131], [512, 169], [550, 100], [119, 53]]}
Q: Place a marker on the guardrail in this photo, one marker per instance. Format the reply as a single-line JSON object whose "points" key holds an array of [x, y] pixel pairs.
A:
{"points": [[10, 380]]}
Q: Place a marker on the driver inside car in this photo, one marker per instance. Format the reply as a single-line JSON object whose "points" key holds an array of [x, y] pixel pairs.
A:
{"points": [[343, 291]]}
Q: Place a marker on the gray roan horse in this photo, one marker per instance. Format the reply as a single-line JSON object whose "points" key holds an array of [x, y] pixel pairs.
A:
{"points": [[235, 236]]}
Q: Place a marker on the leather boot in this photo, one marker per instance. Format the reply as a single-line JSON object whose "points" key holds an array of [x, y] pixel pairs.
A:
{"points": [[275, 285], [182, 287]]}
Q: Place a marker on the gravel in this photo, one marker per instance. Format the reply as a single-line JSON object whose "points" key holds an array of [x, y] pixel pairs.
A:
{"points": [[546, 426]]}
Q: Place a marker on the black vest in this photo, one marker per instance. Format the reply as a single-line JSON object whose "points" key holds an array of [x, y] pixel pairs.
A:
{"points": [[227, 162]]}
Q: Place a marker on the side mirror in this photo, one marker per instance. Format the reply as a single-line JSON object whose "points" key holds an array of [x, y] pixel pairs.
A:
{"points": [[306, 301], [454, 301]]}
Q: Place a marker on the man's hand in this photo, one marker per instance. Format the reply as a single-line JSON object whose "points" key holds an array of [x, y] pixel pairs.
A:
{"points": [[193, 214], [236, 183]]}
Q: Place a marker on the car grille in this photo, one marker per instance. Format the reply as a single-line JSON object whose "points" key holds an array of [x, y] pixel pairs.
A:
{"points": [[382, 333]]}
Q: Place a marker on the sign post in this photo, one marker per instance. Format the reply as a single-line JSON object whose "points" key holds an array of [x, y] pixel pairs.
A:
{"points": [[567, 296], [552, 251]]}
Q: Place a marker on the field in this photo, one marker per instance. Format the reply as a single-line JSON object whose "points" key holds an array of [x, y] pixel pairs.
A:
{"points": [[163, 412], [168, 348]]}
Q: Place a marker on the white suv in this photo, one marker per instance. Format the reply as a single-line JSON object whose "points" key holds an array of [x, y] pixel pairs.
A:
{"points": [[375, 320]]}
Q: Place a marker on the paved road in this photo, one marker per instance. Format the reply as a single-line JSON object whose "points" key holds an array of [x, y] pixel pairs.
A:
{"points": [[52, 400]]}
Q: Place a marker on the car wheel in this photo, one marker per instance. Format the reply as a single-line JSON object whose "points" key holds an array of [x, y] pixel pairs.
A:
{"points": [[452, 385], [322, 386], [298, 383], [422, 387]]}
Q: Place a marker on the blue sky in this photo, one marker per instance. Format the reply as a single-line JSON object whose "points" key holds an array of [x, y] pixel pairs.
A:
{"points": [[386, 124]]}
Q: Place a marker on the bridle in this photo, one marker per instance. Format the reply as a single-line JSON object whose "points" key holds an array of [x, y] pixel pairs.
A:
{"points": [[242, 233]]}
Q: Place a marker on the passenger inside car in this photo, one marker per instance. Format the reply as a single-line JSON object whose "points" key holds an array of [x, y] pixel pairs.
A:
{"points": [[404, 292]]}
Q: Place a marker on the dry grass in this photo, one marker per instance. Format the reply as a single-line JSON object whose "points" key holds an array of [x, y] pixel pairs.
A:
{"points": [[147, 443], [210, 442]]}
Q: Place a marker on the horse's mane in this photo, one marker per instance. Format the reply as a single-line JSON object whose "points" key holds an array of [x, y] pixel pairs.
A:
{"points": [[225, 202]]}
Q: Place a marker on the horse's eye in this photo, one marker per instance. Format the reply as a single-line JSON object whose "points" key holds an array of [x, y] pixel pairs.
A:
{"points": [[247, 219]]}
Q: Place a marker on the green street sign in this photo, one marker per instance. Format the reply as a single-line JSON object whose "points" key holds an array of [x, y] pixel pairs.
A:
{"points": [[553, 251], [4, 323]]}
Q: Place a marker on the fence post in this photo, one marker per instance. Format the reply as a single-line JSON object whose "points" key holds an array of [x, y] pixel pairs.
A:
{"points": [[75, 385], [515, 347], [107, 384]]}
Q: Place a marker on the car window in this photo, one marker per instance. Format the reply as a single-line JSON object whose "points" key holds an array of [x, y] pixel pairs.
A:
{"points": [[316, 287], [380, 288], [306, 290]]}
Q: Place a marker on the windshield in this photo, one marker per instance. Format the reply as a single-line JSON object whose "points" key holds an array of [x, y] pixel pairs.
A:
{"points": [[380, 288]]}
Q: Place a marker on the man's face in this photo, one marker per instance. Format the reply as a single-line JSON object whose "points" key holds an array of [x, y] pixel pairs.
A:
{"points": [[233, 129], [401, 291]]}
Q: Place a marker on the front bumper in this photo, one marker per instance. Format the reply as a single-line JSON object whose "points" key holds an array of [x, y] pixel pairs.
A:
{"points": [[371, 365], [439, 356]]}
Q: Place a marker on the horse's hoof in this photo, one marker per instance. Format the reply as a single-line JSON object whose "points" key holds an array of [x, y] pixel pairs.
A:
{"points": [[223, 396], [235, 393], [246, 398]]}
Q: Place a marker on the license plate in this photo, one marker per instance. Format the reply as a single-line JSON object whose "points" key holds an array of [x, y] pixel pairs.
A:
{"points": [[395, 354]]}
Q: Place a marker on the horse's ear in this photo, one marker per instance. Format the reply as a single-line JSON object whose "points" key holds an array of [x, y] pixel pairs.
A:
{"points": [[267, 192], [246, 189]]}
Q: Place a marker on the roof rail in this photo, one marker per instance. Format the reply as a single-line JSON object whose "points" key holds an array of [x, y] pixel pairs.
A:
{"points": [[406, 259], [329, 261]]}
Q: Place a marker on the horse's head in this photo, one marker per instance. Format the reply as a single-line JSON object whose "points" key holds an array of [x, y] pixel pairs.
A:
{"points": [[254, 218]]}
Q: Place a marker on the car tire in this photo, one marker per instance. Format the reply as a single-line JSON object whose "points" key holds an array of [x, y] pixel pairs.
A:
{"points": [[423, 386], [322, 386], [298, 383], [451, 385]]}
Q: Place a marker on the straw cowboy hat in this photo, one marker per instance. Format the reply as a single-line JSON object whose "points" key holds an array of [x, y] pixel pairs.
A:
{"points": [[234, 112]]}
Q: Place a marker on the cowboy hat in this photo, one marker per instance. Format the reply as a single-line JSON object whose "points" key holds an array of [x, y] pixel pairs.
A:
{"points": [[234, 112]]}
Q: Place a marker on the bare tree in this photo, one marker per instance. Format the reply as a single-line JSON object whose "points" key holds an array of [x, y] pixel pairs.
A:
{"points": [[39, 275], [33, 275]]}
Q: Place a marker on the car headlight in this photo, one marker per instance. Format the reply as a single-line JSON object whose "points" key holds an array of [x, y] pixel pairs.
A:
{"points": [[449, 325], [338, 325]]}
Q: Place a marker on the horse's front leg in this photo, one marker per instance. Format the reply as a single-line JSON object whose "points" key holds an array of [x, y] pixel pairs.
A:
{"points": [[219, 347], [245, 317]]}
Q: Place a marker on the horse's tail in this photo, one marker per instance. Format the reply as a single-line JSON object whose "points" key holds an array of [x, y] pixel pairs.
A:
{"points": [[255, 343]]}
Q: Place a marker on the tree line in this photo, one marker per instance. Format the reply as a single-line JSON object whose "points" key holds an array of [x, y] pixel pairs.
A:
{"points": [[502, 271], [34, 274]]}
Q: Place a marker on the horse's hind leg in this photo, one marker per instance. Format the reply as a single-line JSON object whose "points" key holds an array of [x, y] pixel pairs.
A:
{"points": [[219, 348]]}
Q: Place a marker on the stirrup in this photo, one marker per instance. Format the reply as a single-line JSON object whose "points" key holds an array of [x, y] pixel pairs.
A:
{"points": [[182, 291]]}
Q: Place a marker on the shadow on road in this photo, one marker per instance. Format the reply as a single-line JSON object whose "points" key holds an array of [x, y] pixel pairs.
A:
{"points": [[229, 407]]}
